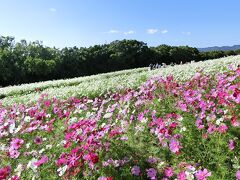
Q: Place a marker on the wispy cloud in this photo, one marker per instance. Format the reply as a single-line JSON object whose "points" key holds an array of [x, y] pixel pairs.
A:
{"points": [[52, 9], [187, 33], [152, 31], [113, 31], [129, 32], [164, 31]]}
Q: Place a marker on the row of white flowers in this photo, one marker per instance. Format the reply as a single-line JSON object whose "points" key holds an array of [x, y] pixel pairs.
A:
{"points": [[100, 84], [27, 88]]}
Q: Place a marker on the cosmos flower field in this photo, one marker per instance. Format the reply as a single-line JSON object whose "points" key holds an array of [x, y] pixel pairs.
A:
{"points": [[163, 127]]}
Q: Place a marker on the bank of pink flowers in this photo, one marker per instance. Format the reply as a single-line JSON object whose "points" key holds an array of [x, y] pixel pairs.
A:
{"points": [[163, 130]]}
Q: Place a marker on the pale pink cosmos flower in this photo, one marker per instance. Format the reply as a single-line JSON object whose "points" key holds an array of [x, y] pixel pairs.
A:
{"points": [[16, 143], [238, 175], [211, 128], [202, 174], [174, 146], [14, 153], [136, 170], [223, 128], [152, 160], [152, 173], [199, 124]]}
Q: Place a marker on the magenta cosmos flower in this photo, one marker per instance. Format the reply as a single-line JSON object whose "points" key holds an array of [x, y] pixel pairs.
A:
{"points": [[43, 160], [169, 172], [4, 172]]}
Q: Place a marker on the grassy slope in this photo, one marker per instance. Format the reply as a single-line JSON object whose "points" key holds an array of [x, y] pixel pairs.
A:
{"points": [[99, 84]]}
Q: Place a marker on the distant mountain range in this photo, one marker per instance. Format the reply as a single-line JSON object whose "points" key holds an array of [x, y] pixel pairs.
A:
{"points": [[221, 48]]}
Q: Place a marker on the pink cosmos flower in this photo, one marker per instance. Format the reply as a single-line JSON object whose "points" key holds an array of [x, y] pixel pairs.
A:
{"points": [[223, 128], [202, 174], [231, 144], [238, 175], [16, 143], [152, 173], [43, 160], [102, 178], [169, 172], [182, 106], [174, 146], [199, 124], [136, 170], [211, 128], [105, 178], [140, 116], [182, 176], [38, 140]]}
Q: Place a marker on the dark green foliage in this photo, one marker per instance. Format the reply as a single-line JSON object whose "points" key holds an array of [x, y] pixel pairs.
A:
{"points": [[24, 62]]}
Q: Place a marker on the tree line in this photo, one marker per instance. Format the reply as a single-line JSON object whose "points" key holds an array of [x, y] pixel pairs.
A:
{"points": [[25, 62]]}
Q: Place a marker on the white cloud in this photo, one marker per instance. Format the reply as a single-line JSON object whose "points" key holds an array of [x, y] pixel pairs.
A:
{"points": [[113, 31], [129, 32], [164, 31], [52, 9], [152, 31], [187, 33]]}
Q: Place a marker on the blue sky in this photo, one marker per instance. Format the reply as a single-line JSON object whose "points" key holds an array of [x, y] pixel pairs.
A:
{"points": [[61, 23]]}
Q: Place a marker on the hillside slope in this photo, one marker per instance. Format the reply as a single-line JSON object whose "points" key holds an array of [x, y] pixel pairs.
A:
{"points": [[100, 84], [183, 126]]}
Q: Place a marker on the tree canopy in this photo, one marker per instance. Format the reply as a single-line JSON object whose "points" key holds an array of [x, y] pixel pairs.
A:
{"points": [[25, 62]]}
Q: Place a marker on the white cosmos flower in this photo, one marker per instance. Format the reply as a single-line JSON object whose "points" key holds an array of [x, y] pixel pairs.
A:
{"points": [[183, 129], [41, 151], [28, 145], [27, 119], [49, 146], [107, 115], [31, 164], [189, 175], [11, 128], [3, 147], [219, 121], [19, 169], [62, 170]]}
